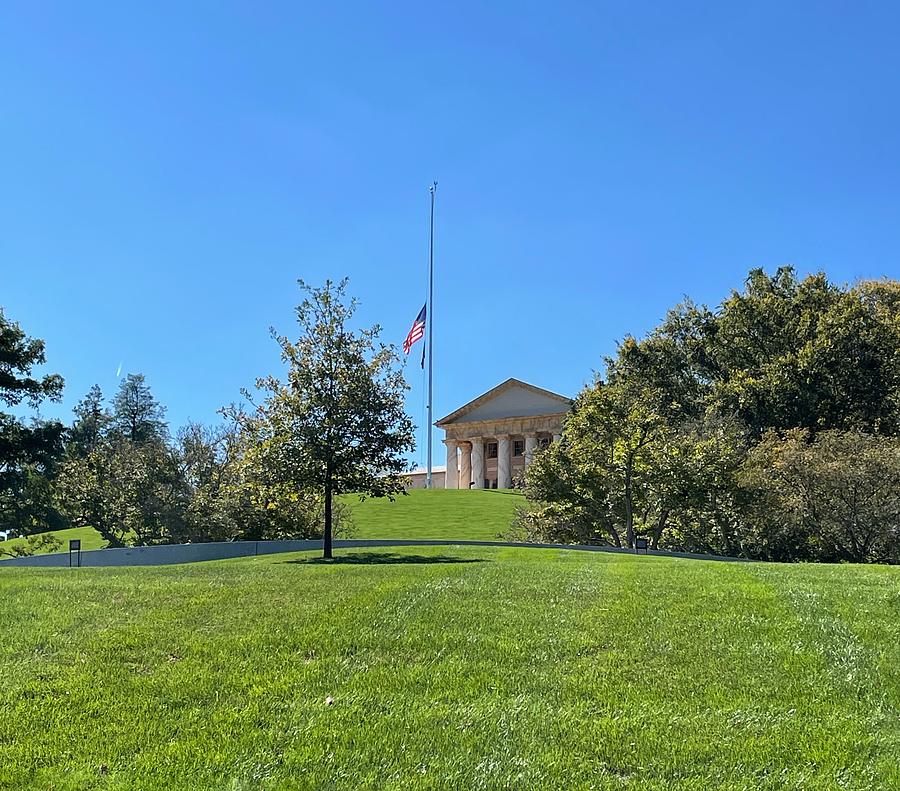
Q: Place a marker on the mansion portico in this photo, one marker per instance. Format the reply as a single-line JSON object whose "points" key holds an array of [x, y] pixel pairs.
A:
{"points": [[491, 440]]}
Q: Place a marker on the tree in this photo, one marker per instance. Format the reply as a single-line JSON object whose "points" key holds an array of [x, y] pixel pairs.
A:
{"points": [[695, 474], [120, 475], [39, 543], [337, 424], [131, 494], [28, 452], [603, 474], [833, 497], [563, 508], [207, 461], [660, 444], [92, 419], [137, 415], [787, 353]]}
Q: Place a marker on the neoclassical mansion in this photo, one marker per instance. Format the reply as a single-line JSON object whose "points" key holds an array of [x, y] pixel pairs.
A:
{"points": [[491, 440]]}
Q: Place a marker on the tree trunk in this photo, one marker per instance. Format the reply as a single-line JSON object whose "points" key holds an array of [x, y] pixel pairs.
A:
{"points": [[629, 507], [660, 526], [326, 543], [617, 541]]}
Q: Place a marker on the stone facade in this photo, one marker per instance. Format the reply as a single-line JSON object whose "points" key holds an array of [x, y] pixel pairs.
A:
{"points": [[491, 440], [418, 478]]}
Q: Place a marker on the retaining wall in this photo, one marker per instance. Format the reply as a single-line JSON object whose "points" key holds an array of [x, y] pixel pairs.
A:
{"points": [[192, 553]]}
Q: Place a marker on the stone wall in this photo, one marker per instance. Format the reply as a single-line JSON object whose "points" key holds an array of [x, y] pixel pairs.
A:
{"points": [[192, 553]]}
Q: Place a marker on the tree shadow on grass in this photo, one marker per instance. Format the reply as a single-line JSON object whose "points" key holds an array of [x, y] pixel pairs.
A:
{"points": [[382, 558]]}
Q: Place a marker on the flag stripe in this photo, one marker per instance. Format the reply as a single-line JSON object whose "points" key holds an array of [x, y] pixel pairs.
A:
{"points": [[417, 332]]}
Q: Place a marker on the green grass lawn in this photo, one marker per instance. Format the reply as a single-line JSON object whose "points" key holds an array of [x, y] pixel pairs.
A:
{"points": [[451, 668], [480, 514], [90, 539]]}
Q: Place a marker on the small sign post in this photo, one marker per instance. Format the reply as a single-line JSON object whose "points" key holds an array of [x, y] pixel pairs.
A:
{"points": [[75, 548], [640, 545]]}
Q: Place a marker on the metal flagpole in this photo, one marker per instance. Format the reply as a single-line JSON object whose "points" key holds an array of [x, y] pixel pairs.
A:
{"points": [[432, 189]]}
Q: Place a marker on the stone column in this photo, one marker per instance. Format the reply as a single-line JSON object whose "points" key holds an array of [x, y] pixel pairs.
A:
{"points": [[504, 476], [478, 462], [530, 445], [451, 478], [465, 465]]}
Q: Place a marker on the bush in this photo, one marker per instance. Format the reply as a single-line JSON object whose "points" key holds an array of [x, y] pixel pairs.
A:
{"points": [[834, 496]]}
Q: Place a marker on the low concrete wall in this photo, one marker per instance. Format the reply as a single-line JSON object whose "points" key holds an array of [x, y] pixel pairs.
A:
{"points": [[166, 554], [192, 553]]}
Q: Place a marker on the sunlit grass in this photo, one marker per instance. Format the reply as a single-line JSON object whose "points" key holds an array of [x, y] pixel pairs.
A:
{"points": [[456, 668], [476, 515], [90, 539], [480, 514]]}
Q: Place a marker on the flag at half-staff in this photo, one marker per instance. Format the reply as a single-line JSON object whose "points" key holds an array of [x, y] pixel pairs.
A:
{"points": [[416, 332]]}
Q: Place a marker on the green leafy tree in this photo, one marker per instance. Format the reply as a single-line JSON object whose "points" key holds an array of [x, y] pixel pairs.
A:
{"points": [[92, 421], [131, 494], [264, 504], [39, 543], [28, 451], [337, 423], [602, 474], [659, 445], [834, 496], [696, 476], [137, 415], [120, 475], [209, 466], [787, 353]]}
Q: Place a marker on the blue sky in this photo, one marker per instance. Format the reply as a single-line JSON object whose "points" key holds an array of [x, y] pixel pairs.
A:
{"points": [[170, 171]]}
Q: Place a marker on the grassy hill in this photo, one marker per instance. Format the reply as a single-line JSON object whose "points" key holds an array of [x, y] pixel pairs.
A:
{"points": [[440, 513], [90, 539], [457, 668], [476, 515]]}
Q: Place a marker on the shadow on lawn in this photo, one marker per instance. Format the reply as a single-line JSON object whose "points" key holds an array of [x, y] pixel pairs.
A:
{"points": [[382, 558]]}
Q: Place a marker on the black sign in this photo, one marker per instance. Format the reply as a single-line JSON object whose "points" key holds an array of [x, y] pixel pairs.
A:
{"points": [[74, 549], [640, 544]]}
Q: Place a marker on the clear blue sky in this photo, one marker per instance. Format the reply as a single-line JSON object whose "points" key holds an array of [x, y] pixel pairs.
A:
{"points": [[168, 173]]}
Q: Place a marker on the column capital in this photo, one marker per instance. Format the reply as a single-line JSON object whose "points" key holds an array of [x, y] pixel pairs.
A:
{"points": [[451, 442]]}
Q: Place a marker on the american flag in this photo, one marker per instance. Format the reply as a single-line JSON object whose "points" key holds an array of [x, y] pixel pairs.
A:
{"points": [[417, 332]]}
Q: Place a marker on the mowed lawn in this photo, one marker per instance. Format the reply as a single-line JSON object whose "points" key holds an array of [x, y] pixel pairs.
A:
{"points": [[477, 515], [480, 514], [451, 668], [90, 539]]}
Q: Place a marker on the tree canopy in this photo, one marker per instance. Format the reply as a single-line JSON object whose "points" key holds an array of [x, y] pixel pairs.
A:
{"points": [[766, 426], [29, 450], [662, 443], [337, 423]]}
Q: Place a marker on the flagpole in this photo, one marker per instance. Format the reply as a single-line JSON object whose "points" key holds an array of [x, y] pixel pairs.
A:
{"points": [[432, 189]]}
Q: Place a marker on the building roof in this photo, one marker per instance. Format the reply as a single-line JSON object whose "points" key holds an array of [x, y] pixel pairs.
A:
{"points": [[423, 471], [531, 401]]}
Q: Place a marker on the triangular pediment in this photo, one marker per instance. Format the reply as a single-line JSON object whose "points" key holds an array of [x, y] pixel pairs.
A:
{"points": [[513, 398]]}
